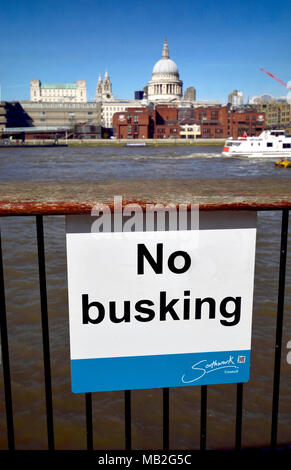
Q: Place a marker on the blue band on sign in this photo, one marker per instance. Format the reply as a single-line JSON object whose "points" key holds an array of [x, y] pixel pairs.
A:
{"points": [[169, 370]]}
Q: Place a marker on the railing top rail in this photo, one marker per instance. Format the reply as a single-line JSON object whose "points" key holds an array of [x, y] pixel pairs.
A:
{"points": [[79, 197]]}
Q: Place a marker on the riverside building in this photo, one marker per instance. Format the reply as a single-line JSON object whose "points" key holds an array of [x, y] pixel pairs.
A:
{"points": [[63, 114], [12, 114], [58, 92], [171, 122], [278, 115], [110, 107]]}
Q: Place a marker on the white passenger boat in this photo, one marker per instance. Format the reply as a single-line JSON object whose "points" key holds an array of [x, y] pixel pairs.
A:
{"points": [[269, 144]]}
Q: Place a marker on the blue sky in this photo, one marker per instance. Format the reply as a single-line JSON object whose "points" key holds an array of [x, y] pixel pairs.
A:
{"points": [[218, 46]]}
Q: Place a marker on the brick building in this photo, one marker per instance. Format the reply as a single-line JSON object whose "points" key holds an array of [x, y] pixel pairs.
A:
{"points": [[213, 121], [168, 122], [134, 123], [222, 121], [165, 118], [247, 121], [144, 123]]}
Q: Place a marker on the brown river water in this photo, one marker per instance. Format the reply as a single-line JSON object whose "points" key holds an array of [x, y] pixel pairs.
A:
{"points": [[24, 323]]}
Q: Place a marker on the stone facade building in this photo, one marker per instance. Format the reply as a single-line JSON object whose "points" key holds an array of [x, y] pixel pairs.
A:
{"points": [[190, 94], [58, 92], [63, 114], [278, 115], [235, 98], [189, 131]]}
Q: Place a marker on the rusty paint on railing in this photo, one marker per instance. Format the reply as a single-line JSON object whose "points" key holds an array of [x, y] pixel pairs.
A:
{"points": [[78, 197]]}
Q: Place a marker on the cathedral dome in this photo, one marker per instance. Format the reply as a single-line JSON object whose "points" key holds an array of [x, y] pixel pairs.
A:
{"points": [[165, 84], [165, 65]]}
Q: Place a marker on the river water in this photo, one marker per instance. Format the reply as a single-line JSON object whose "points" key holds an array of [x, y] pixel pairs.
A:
{"points": [[24, 327]]}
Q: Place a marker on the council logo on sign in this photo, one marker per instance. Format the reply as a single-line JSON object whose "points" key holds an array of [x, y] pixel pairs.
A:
{"points": [[150, 310]]}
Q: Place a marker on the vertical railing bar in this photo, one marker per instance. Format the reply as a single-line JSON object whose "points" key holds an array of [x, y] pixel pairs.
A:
{"points": [[45, 330], [127, 415], [89, 421], [5, 358], [166, 418], [279, 326], [203, 417], [239, 406]]}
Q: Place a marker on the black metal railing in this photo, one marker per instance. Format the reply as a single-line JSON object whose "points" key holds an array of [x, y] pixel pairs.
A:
{"points": [[127, 393]]}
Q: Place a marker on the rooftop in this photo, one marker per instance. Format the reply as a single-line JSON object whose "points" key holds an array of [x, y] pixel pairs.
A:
{"points": [[53, 86]]}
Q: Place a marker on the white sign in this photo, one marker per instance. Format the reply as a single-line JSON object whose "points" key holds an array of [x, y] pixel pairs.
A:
{"points": [[161, 309]]}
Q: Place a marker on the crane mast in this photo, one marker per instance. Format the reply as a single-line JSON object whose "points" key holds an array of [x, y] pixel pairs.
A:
{"points": [[275, 78]]}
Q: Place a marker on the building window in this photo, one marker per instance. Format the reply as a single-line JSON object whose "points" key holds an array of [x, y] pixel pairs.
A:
{"points": [[135, 118]]}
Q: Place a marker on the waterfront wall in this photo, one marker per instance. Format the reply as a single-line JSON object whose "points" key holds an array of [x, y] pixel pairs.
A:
{"points": [[97, 142]]}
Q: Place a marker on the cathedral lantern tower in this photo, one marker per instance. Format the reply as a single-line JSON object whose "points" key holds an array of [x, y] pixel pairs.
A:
{"points": [[165, 84]]}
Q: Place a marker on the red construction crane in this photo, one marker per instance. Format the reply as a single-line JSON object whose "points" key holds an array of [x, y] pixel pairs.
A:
{"points": [[278, 79]]}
